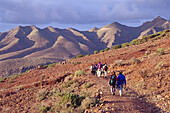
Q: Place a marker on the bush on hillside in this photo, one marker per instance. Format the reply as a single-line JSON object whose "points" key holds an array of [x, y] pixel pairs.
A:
{"points": [[89, 102], [41, 95], [52, 65], [88, 55], [135, 42], [160, 51], [79, 56], [2, 79], [44, 109], [134, 61], [116, 46], [69, 102], [76, 62], [101, 51], [88, 85], [12, 77], [73, 58], [125, 45], [96, 52], [79, 73], [106, 49], [160, 65]]}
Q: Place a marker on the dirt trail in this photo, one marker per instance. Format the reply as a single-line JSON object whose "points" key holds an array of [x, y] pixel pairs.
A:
{"points": [[128, 103]]}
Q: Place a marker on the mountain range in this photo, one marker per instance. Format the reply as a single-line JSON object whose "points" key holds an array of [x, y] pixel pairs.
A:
{"points": [[31, 41]]}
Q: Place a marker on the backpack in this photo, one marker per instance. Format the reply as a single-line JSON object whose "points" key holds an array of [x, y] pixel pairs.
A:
{"points": [[93, 68], [112, 80], [99, 66], [105, 68]]}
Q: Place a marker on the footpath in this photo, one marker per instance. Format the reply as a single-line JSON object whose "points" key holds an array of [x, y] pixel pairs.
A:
{"points": [[130, 102]]}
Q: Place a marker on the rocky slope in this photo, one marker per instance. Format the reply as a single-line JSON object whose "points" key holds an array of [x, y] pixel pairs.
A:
{"points": [[63, 88]]}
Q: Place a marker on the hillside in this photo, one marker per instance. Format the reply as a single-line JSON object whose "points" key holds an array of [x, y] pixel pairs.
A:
{"points": [[61, 89]]}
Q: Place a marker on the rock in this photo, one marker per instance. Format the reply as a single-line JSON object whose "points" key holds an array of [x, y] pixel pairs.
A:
{"points": [[67, 79], [107, 112], [159, 96], [39, 67]]}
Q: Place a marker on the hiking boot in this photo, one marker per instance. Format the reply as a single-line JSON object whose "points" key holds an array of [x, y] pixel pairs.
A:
{"points": [[113, 93]]}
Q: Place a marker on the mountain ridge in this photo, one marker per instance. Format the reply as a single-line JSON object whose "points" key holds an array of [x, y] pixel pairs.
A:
{"points": [[28, 41]]}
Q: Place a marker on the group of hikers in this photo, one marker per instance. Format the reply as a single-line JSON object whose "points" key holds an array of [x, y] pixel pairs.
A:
{"points": [[99, 69], [114, 81]]}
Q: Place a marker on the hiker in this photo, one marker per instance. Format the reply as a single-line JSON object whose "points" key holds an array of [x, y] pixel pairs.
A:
{"points": [[99, 66], [120, 81], [93, 69], [112, 82], [105, 68]]}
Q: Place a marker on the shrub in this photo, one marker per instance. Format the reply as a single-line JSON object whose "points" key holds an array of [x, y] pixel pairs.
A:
{"points": [[69, 102], [119, 63], [45, 66], [20, 88], [79, 73], [160, 65], [12, 77], [96, 52], [79, 56], [52, 65], [160, 51], [41, 95], [3, 79], [68, 84], [89, 102], [76, 62], [125, 44], [73, 58], [134, 61], [135, 42], [106, 49], [101, 51], [44, 109], [145, 37], [87, 85], [73, 98], [116, 47]]}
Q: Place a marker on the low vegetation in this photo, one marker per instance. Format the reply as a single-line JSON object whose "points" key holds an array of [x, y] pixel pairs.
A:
{"points": [[96, 52], [12, 77], [42, 95], [79, 73], [88, 85], [3, 79], [160, 51], [44, 109]]}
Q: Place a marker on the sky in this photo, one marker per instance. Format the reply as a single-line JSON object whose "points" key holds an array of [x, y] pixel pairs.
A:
{"points": [[79, 14]]}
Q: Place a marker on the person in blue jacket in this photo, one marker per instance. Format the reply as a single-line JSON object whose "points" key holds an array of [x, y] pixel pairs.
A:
{"points": [[120, 81]]}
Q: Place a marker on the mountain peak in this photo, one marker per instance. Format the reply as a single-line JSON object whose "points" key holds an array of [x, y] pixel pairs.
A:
{"points": [[157, 19], [93, 29], [113, 25]]}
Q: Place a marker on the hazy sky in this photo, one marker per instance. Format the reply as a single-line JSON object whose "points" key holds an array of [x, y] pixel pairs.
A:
{"points": [[79, 14]]}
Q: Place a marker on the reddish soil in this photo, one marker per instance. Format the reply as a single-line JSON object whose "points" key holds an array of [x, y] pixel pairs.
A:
{"points": [[147, 86]]}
